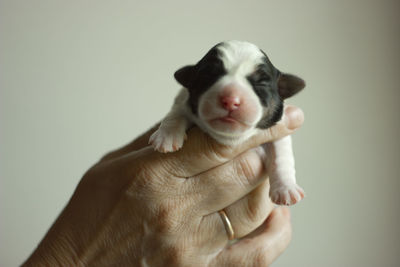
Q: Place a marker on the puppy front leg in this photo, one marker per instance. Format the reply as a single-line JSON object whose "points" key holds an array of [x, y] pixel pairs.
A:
{"points": [[172, 132], [281, 172]]}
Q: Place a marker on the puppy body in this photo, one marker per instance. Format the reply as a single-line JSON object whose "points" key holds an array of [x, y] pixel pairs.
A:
{"points": [[231, 93]]}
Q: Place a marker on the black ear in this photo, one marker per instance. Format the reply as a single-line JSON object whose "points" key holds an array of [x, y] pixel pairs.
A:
{"points": [[289, 85], [185, 76]]}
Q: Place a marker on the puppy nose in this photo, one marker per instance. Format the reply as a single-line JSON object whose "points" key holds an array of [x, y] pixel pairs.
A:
{"points": [[230, 103]]}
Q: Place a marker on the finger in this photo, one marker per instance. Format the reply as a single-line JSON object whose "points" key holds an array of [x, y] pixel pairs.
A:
{"points": [[139, 143], [245, 215], [221, 186], [200, 152], [207, 192], [261, 247]]}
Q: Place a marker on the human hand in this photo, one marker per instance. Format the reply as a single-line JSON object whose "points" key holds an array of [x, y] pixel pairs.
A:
{"points": [[143, 208]]}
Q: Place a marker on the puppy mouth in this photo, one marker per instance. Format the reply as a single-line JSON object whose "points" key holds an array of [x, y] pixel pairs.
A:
{"points": [[228, 124], [228, 119]]}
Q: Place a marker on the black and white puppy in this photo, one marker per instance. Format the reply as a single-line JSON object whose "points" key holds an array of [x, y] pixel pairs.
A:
{"points": [[231, 93]]}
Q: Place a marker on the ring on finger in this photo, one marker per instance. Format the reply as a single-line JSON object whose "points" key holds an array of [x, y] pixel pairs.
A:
{"points": [[227, 224]]}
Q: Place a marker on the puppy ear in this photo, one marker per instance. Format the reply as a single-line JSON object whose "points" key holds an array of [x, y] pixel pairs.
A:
{"points": [[289, 85], [185, 75]]}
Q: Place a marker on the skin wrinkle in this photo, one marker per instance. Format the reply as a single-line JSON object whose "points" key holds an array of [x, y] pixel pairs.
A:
{"points": [[239, 182], [169, 167], [100, 238], [250, 210], [50, 258], [249, 170], [255, 203]]}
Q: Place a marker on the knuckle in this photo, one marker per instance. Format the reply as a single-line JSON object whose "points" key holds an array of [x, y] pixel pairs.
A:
{"points": [[275, 132], [258, 206], [271, 133], [216, 151], [246, 170], [255, 211], [167, 218]]}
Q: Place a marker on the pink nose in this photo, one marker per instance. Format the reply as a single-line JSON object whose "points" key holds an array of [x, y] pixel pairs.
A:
{"points": [[230, 103]]}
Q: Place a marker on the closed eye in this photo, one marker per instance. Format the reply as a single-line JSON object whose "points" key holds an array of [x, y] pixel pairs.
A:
{"points": [[263, 77], [260, 75], [259, 78], [262, 81]]}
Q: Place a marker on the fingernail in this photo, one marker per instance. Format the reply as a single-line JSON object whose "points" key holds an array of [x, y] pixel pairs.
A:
{"points": [[294, 117]]}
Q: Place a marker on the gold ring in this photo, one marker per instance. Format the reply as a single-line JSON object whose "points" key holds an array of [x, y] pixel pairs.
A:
{"points": [[227, 224]]}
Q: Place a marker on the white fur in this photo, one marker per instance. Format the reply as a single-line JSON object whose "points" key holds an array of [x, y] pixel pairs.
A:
{"points": [[281, 172], [240, 59], [226, 137], [172, 131]]}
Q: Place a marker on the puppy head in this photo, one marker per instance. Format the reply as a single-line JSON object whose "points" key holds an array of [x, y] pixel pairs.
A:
{"points": [[234, 89]]}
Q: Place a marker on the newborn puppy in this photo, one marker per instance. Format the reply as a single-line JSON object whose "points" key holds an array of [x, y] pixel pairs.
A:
{"points": [[231, 93]]}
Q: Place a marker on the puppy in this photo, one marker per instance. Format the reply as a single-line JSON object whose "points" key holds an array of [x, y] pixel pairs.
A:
{"points": [[231, 93]]}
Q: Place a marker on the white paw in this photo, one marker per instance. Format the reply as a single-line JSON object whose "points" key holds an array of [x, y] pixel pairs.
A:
{"points": [[167, 140], [286, 194]]}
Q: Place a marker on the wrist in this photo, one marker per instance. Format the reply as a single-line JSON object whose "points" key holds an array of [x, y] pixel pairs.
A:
{"points": [[56, 249], [53, 252]]}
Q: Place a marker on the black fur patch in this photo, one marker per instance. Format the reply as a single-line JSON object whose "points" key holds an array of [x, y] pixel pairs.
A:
{"points": [[264, 81], [203, 75], [272, 118]]}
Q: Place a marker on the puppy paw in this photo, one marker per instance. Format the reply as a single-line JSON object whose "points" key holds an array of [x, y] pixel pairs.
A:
{"points": [[166, 140], [284, 194]]}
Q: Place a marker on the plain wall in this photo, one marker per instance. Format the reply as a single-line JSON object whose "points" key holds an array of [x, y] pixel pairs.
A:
{"points": [[79, 78]]}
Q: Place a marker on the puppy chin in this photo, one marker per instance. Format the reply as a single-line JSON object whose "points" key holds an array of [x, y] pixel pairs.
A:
{"points": [[228, 134]]}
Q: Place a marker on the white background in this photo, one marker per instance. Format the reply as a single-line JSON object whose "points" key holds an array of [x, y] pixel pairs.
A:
{"points": [[79, 78]]}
